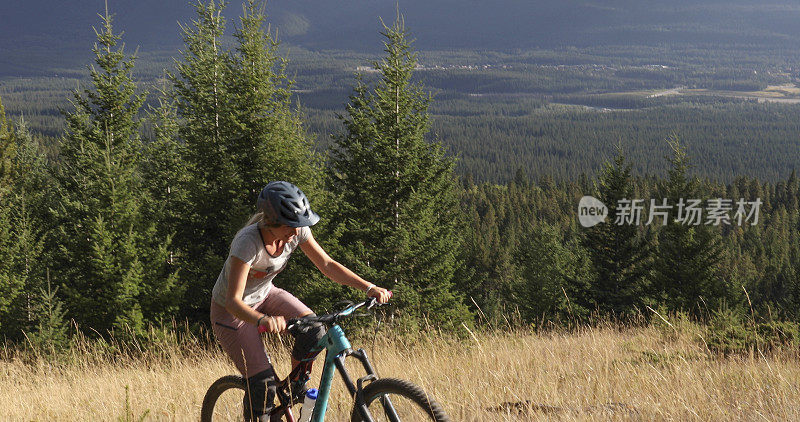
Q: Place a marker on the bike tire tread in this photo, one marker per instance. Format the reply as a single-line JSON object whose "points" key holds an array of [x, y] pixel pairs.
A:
{"points": [[217, 388], [405, 389]]}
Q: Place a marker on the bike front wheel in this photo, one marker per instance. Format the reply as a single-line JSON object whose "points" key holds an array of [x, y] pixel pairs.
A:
{"points": [[393, 400]]}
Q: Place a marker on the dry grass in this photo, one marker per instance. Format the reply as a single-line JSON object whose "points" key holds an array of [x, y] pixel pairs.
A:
{"points": [[594, 374]]}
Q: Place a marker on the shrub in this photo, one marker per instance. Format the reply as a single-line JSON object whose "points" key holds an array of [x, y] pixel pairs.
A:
{"points": [[729, 331]]}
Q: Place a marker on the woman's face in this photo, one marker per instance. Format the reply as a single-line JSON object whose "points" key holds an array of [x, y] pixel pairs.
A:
{"points": [[284, 233]]}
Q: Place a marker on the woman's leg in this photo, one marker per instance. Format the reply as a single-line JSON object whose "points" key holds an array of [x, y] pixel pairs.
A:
{"points": [[280, 302], [242, 342]]}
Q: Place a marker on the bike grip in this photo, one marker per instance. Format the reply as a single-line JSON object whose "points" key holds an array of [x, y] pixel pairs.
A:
{"points": [[390, 294], [262, 329]]}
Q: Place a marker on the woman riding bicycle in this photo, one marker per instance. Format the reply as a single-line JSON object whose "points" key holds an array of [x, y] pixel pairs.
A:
{"points": [[244, 297]]}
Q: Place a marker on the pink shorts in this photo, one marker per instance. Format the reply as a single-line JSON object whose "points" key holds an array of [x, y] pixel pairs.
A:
{"points": [[241, 340]]}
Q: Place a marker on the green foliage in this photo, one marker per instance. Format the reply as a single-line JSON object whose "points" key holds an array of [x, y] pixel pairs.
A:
{"points": [[27, 201], [22, 225], [123, 217], [399, 206], [7, 149], [727, 332], [687, 264], [555, 278], [240, 132], [620, 253], [128, 415], [200, 98], [9, 285], [731, 331], [164, 202], [108, 260], [49, 335]]}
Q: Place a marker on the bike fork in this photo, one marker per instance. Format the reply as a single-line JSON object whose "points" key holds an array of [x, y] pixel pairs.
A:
{"points": [[356, 391]]}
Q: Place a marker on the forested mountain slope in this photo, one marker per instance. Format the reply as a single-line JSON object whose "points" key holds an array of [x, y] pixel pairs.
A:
{"points": [[32, 30]]}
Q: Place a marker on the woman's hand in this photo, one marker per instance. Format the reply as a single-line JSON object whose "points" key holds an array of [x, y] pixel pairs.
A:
{"points": [[379, 293], [272, 324]]}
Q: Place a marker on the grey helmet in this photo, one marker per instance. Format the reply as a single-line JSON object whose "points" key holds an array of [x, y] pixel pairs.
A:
{"points": [[284, 203]]}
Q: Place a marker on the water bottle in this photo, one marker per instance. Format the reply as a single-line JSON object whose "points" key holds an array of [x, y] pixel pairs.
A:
{"points": [[308, 405]]}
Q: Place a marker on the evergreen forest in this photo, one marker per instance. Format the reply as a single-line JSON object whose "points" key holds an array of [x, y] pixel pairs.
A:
{"points": [[456, 187]]}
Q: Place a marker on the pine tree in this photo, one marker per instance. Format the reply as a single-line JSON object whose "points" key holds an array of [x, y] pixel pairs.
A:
{"points": [[7, 148], [30, 198], [240, 132], [49, 323], [108, 261], [686, 273], [201, 101], [268, 140], [555, 277], [165, 170], [488, 252], [619, 253], [399, 207], [10, 284]]}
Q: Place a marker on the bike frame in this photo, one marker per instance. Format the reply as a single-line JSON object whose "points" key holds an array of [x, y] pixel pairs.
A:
{"points": [[337, 348]]}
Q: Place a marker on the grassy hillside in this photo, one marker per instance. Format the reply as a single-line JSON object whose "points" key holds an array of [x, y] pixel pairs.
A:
{"points": [[602, 373]]}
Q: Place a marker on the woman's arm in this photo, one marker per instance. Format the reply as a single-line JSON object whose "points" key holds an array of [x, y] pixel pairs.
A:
{"points": [[233, 299], [339, 273]]}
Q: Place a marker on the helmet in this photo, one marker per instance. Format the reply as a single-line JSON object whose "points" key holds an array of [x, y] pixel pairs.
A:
{"points": [[284, 203]]}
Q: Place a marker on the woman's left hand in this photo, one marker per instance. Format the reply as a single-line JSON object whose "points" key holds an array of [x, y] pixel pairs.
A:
{"points": [[379, 293]]}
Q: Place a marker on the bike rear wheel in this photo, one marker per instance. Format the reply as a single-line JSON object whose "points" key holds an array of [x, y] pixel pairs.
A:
{"points": [[410, 403], [223, 401]]}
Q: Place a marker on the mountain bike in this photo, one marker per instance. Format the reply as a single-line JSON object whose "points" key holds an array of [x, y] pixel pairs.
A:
{"points": [[375, 399]]}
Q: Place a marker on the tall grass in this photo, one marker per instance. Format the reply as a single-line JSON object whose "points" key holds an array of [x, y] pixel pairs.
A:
{"points": [[602, 372]]}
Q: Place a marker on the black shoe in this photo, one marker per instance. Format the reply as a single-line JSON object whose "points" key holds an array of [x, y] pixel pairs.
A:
{"points": [[297, 388]]}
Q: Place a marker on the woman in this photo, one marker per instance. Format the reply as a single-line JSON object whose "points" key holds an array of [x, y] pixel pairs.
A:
{"points": [[244, 297]]}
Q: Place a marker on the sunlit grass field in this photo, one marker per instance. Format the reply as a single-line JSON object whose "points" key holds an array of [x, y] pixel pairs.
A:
{"points": [[594, 373]]}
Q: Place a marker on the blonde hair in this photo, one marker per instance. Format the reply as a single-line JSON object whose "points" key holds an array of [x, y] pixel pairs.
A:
{"points": [[261, 219]]}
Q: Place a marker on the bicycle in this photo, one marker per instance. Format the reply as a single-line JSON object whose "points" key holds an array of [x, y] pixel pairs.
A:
{"points": [[376, 399]]}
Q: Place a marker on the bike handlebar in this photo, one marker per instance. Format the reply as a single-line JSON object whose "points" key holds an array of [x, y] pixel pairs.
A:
{"points": [[327, 319]]}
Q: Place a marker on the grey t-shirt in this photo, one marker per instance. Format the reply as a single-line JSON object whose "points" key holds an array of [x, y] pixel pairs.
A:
{"points": [[248, 246]]}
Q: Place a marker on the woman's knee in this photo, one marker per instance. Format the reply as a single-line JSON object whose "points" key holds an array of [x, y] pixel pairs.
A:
{"points": [[306, 341]]}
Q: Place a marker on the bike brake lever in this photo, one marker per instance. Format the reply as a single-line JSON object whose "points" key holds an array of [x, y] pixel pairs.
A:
{"points": [[343, 304], [373, 302]]}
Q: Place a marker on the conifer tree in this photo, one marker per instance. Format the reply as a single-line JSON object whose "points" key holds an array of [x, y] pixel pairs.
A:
{"points": [[268, 139], [488, 252], [29, 200], [49, 325], [10, 284], [555, 277], [7, 148], [240, 132], [163, 167], [686, 272], [619, 253], [399, 208], [109, 264], [201, 101]]}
